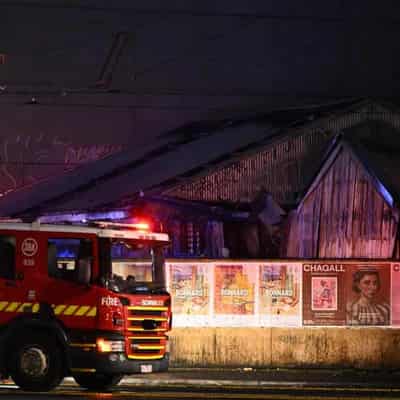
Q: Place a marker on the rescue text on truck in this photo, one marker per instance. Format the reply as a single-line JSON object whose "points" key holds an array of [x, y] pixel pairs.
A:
{"points": [[90, 302]]}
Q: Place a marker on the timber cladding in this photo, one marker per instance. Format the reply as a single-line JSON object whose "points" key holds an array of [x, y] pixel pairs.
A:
{"points": [[347, 212], [285, 347], [280, 170], [282, 167]]}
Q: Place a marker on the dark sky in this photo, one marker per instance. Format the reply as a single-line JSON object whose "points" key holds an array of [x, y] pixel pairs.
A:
{"points": [[177, 61]]}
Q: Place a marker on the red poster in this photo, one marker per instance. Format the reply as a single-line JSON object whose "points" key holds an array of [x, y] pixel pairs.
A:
{"points": [[396, 294], [234, 289], [324, 293], [368, 294]]}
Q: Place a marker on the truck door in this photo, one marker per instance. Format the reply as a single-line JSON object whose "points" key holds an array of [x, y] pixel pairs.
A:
{"points": [[73, 301], [12, 294]]}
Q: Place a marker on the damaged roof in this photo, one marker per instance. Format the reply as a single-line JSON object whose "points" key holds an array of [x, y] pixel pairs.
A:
{"points": [[184, 153]]}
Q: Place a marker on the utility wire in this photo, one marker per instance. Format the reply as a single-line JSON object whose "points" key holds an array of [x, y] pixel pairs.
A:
{"points": [[185, 12], [187, 92], [240, 108]]}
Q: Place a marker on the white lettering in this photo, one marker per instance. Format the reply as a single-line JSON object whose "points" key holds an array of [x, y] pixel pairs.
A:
{"points": [[323, 268], [189, 293], [29, 247], [110, 301], [234, 292], [147, 302], [278, 292]]}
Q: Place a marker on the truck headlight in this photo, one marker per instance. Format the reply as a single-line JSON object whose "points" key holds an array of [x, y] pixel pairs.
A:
{"points": [[107, 346]]}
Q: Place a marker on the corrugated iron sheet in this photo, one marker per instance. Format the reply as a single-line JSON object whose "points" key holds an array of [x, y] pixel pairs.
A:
{"points": [[283, 167]]}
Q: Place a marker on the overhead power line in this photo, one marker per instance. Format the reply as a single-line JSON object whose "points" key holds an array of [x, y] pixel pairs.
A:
{"points": [[186, 12], [140, 106]]}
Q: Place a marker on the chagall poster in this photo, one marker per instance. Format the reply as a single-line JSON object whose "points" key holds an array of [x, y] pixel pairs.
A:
{"points": [[395, 294], [324, 293], [368, 294], [279, 294], [234, 289], [190, 288]]}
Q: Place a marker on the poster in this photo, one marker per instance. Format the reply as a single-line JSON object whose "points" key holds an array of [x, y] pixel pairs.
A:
{"points": [[395, 278], [324, 291], [234, 289], [189, 287], [368, 294], [279, 294], [283, 293]]}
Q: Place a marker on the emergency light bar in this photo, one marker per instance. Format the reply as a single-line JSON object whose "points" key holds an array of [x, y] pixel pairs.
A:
{"points": [[141, 226]]}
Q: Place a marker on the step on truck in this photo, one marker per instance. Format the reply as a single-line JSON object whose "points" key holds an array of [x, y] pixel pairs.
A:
{"points": [[83, 301]]}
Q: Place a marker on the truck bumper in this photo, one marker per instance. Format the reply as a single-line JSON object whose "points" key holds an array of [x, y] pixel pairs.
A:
{"points": [[114, 363]]}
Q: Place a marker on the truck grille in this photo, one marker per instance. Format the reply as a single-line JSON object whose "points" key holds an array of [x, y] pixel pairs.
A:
{"points": [[146, 325]]}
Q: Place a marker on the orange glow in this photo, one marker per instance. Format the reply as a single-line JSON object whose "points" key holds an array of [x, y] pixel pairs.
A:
{"points": [[143, 226], [103, 346]]}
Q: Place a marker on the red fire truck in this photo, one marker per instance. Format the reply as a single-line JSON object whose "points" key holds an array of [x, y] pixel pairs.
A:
{"points": [[86, 301]]}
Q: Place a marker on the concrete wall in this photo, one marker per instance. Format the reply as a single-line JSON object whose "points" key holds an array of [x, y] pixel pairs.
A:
{"points": [[286, 347]]}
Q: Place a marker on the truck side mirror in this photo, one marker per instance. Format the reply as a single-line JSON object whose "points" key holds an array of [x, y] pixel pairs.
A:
{"points": [[84, 271]]}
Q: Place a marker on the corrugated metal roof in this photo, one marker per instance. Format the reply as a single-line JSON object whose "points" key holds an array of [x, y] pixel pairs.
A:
{"points": [[112, 179], [125, 175]]}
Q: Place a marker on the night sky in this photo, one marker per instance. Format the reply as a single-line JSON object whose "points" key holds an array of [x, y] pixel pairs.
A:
{"points": [[179, 61]]}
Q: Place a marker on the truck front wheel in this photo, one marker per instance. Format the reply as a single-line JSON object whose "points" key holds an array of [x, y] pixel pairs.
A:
{"points": [[36, 362], [97, 381]]}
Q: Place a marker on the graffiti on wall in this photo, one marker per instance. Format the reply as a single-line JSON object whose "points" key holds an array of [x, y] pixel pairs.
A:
{"points": [[27, 159], [75, 154]]}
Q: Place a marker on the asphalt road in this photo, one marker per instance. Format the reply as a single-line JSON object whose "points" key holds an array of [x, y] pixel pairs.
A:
{"points": [[233, 384], [202, 393]]}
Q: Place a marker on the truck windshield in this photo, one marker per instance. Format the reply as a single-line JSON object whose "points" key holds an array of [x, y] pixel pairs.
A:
{"points": [[136, 267]]}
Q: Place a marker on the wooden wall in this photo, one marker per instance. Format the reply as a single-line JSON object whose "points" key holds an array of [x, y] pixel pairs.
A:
{"points": [[344, 216]]}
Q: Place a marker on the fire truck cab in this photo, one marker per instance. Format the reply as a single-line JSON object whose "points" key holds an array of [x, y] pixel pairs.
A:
{"points": [[82, 301]]}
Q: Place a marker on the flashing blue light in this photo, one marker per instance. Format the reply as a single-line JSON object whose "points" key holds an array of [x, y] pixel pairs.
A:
{"points": [[85, 217], [385, 193]]}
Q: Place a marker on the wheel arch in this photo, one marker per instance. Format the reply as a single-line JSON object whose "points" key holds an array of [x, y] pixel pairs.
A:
{"points": [[25, 326]]}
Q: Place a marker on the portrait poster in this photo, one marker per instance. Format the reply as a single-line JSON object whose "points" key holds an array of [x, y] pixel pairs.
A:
{"points": [[280, 294], [395, 294], [234, 289], [368, 294], [189, 288], [324, 293]]}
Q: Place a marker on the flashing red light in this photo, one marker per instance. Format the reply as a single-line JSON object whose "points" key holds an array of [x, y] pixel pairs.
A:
{"points": [[141, 223], [143, 226]]}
